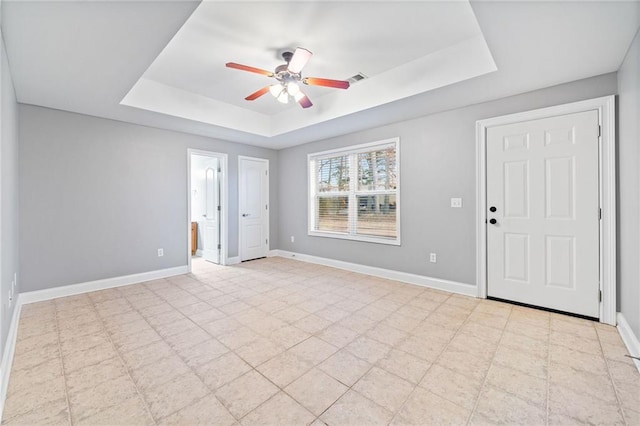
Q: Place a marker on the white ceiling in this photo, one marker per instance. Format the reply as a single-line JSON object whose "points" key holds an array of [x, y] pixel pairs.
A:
{"points": [[422, 57]]}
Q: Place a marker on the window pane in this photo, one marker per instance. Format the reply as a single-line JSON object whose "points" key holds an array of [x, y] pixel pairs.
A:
{"points": [[333, 174], [332, 214], [377, 170], [377, 215]]}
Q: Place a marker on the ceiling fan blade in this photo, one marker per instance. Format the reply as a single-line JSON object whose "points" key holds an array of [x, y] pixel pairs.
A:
{"points": [[299, 60], [257, 94], [250, 69], [305, 102], [338, 84]]}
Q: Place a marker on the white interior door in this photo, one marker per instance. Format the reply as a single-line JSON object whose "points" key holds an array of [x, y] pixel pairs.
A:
{"points": [[254, 207], [543, 218], [211, 222]]}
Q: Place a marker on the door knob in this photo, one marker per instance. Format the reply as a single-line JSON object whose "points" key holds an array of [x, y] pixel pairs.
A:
{"points": [[245, 214], [492, 209], [493, 221]]}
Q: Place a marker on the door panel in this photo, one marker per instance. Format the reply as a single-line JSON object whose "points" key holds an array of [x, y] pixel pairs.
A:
{"points": [[254, 209], [211, 233], [542, 179]]}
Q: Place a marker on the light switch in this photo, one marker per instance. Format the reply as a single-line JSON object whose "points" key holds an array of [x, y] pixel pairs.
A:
{"points": [[456, 203]]}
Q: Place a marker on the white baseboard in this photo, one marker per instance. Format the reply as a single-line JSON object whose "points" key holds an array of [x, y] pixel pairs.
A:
{"points": [[233, 260], [421, 280], [199, 253], [7, 356], [73, 289], [629, 338]]}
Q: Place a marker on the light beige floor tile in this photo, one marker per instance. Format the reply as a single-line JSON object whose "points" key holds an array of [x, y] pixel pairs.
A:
{"points": [[238, 337], [172, 396], [460, 389], [426, 349], [22, 400], [51, 413], [465, 363], [187, 339], [288, 336], [337, 335], [245, 393], [312, 324], [313, 350], [385, 334], [277, 411], [576, 404], [79, 359], [90, 401], [146, 354], [529, 388], [577, 360], [95, 374], [425, 408], [404, 365], [135, 340], [159, 372], [316, 391], [285, 368], [358, 323], [368, 349], [385, 389], [43, 372], [259, 351], [345, 367], [202, 353], [130, 412], [222, 370], [177, 327], [206, 411], [522, 361], [222, 326], [354, 409], [577, 343], [43, 342], [596, 385], [505, 408]]}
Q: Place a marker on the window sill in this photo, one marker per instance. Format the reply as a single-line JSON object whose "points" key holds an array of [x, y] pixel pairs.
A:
{"points": [[360, 238]]}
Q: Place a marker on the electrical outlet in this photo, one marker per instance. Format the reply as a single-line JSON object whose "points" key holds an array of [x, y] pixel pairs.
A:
{"points": [[160, 252], [433, 258], [456, 203], [293, 239]]}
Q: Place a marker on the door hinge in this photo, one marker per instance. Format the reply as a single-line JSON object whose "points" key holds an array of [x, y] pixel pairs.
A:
{"points": [[218, 208], [600, 296], [266, 172], [219, 170], [266, 206], [600, 214], [599, 130], [266, 241], [219, 246]]}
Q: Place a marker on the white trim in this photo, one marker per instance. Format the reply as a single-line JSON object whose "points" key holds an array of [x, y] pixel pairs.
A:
{"points": [[198, 253], [268, 215], [9, 350], [312, 192], [629, 338], [233, 260], [224, 201], [421, 280], [606, 112], [73, 289]]}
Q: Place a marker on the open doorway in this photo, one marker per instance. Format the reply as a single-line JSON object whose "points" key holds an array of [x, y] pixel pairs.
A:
{"points": [[207, 206]]}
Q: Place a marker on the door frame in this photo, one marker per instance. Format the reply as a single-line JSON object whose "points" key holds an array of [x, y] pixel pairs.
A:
{"points": [[240, 230], [607, 192], [224, 202]]}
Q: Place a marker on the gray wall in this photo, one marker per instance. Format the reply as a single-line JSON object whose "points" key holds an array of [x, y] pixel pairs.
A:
{"points": [[98, 197], [437, 162], [629, 186], [8, 192]]}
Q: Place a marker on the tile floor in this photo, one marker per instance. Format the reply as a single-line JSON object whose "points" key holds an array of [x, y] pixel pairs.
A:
{"points": [[281, 342]]}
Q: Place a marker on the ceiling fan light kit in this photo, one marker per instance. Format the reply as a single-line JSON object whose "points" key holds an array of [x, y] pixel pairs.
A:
{"points": [[289, 76]]}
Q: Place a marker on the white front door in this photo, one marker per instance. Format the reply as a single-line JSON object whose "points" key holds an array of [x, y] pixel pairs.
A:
{"points": [[253, 191], [211, 222], [543, 213]]}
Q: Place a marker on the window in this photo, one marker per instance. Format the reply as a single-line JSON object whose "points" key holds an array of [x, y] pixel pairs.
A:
{"points": [[353, 193]]}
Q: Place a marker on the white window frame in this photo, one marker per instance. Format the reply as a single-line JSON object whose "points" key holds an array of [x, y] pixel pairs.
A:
{"points": [[312, 187]]}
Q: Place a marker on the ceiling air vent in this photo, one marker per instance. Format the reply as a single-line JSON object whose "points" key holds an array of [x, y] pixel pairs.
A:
{"points": [[356, 78]]}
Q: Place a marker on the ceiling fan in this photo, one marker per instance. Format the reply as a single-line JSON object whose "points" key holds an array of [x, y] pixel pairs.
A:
{"points": [[289, 76]]}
